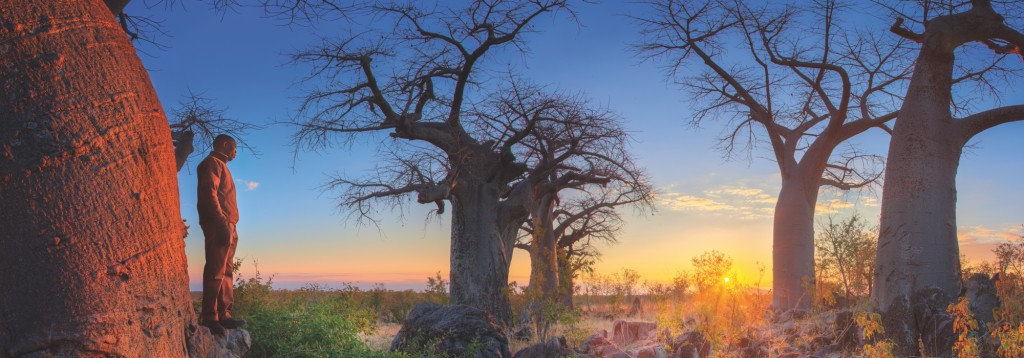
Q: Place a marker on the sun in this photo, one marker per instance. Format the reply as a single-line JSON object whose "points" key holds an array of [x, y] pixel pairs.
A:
{"points": [[726, 280]]}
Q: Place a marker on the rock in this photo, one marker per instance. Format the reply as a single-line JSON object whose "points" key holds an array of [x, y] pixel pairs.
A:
{"points": [[929, 308], [650, 351], [792, 315], [980, 291], [203, 344], [599, 345], [627, 333], [751, 348], [454, 330], [691, 344], [524, 333], [845, 330], [555, 347]]}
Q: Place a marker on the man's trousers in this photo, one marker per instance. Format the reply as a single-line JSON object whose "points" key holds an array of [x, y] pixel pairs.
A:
{"points": [[218, 278]]}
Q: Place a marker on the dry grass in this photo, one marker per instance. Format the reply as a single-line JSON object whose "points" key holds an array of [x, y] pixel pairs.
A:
{"points": [[380, 339]]}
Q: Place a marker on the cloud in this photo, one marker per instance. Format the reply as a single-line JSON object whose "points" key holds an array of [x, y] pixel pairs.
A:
{"points": [[831, 207], [733, 201], [870, 202], [968, 235], [249, 185], [682, 202]]}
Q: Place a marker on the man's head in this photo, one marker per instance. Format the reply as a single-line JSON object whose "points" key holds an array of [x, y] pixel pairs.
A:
{"points": [[225, 145]]}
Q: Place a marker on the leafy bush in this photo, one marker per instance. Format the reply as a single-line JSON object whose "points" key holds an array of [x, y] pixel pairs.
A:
{"points": [[311, 322]]}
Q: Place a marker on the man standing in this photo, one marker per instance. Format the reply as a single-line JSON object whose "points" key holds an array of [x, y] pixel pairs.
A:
{"points": [[218, 214]]}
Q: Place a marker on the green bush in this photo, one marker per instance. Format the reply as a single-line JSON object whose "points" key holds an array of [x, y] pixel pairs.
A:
{"points": [[311, 322]]}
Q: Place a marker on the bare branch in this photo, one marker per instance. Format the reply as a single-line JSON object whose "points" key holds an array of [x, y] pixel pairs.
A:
{"points": [[196, 116], [979, 122]]}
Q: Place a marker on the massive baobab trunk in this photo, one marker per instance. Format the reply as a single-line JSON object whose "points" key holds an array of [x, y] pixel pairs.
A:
{"points": [[918, 255], [483, 232], [917, 245], [793, 244], [92, 242], [483, 235]]}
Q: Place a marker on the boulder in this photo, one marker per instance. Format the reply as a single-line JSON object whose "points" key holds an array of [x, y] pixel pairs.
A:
{"points": [[555, 347], [936, 325], [751, 347], [691, 344], [203, 344], [650, 351], [524, 333], [453, 330], [627, 333], [598, 345], [981, 292], [846, 331]]}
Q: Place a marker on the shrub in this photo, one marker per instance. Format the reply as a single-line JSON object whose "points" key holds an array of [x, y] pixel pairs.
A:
{"points": [[312, 322]]}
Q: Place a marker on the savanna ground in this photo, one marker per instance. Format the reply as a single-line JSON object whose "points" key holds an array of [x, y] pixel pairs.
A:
{"points": [[732, 316]]}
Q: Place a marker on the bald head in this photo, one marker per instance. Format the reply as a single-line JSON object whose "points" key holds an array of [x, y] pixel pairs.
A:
{"points": [[226, 145]]}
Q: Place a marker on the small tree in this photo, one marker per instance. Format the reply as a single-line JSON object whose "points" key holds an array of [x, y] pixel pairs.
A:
{"points": [[709, 270], [845, 252]]}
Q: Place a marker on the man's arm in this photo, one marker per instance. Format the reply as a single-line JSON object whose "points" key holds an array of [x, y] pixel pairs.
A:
{"points": [[209, 181]]}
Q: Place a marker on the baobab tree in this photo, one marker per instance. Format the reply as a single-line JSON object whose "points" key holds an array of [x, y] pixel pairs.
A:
{"points": [[918, 254], [577, 245], [581, 222], [418, 80], [794, 78], [92, 242], [573, 152]]}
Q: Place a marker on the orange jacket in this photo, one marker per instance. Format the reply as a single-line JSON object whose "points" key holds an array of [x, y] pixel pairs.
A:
{"points": [[216, 191]]}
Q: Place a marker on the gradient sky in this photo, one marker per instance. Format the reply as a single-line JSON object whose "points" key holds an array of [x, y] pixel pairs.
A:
{"points": [[295, 231]]}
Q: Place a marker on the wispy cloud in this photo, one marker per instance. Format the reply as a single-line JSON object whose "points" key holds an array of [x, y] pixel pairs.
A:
{"points": [[981, 235], [831, 206], [733, 201]]}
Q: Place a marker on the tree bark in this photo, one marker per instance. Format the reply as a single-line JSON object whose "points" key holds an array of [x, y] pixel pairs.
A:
{"points": [[481, 251], [544, 253], [918, 264], [793, 245], [544, 269], [566, 283], [917, 244], [92, 248]]}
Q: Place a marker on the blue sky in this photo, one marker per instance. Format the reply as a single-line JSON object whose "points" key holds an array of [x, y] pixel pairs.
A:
{"points": [[295, 230]]}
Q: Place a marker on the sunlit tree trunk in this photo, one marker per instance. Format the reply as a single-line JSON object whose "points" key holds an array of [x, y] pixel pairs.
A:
{"points": [[917, 245], [793, 245], [918, 255], [92, 249]]}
